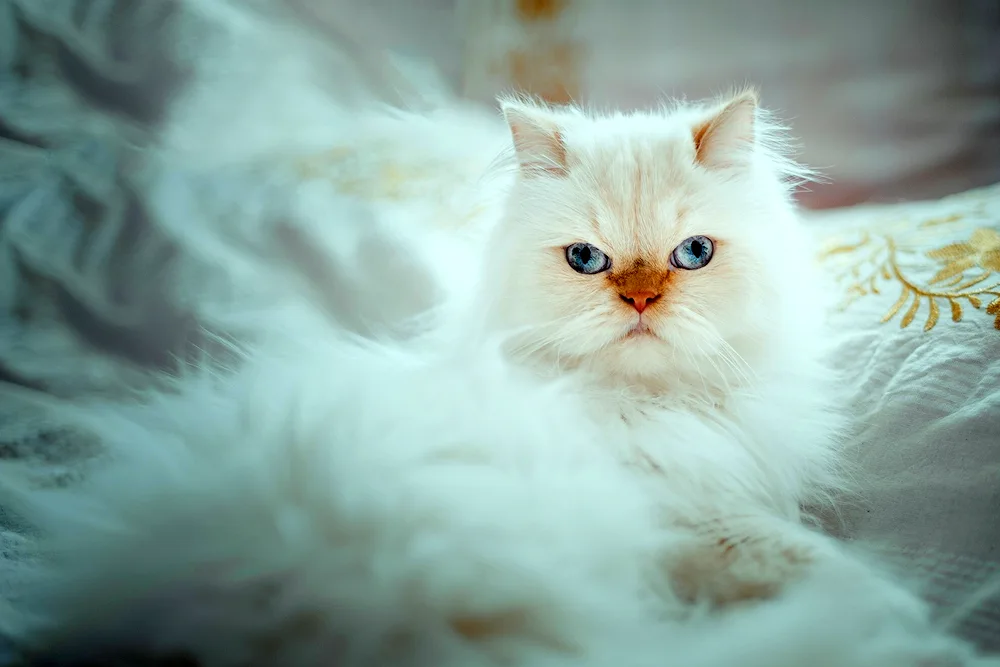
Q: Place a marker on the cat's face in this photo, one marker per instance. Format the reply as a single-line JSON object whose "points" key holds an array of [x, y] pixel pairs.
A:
{"points": [[647, 245]]}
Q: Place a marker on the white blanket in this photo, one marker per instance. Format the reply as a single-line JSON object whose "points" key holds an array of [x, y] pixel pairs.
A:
{"points": [[918, 335]]}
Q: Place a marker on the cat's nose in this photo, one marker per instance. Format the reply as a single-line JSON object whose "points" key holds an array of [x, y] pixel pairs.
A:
{"points": [[639, 299]]}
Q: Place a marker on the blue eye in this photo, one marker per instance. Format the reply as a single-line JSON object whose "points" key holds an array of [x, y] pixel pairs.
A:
{"points": [[693, 253], [585, 258]]}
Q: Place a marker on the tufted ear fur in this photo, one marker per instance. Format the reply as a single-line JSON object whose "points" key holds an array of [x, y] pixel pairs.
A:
{"points": [[538, 141], [725, 138]]}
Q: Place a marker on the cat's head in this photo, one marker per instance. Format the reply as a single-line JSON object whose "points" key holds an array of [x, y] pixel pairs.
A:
{"points": [[651, 245]]}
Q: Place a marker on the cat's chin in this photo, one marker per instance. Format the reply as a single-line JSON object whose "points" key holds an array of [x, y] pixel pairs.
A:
{"points": [[637, 353]]}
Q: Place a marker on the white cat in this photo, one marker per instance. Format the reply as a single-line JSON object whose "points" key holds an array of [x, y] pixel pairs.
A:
{"points": [[655, 259], [623, 414], [340, 501]]}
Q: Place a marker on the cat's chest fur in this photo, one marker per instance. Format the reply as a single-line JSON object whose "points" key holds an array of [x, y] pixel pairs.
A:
{"points": [[711, 452]]}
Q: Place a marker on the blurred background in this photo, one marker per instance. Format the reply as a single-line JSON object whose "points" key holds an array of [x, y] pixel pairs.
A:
{"points": [[891, 99]]}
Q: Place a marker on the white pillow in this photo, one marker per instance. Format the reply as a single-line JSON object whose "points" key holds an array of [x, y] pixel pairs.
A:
{"points": [[925, 389]]}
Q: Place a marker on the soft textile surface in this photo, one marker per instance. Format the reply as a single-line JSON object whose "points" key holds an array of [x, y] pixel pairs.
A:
{"points": [[919, 338], [83, 310], [79, 89]]}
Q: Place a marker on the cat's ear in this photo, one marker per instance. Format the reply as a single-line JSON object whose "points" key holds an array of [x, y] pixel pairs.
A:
{"points": [[726, 137], [538, 142]]}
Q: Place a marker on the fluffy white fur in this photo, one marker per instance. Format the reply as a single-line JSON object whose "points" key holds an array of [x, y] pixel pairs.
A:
{"points": [[340, 502], [524, 482], [726, 390]]}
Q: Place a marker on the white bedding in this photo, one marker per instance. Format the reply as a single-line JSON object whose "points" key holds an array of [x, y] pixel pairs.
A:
{"points": [[925, 390]]}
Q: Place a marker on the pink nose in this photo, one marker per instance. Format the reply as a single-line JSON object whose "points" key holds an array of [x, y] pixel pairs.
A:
{"points": [[639, 299]]}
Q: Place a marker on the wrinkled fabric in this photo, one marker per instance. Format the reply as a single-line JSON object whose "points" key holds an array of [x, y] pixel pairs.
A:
{"points": [[924, 392], [81, 87], [82, 310]]}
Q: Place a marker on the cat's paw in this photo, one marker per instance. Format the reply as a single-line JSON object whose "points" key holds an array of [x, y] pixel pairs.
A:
{"points": [[741, 568], [742, 559]]}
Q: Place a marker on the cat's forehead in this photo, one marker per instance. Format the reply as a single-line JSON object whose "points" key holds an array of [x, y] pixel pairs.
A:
{"points": [[619, 141], [637, 187]]}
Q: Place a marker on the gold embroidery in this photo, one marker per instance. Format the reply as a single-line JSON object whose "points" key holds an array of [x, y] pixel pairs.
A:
{"points": [[342, 167], [943, 220], [982, 250], [966, 273], [452, 188]]}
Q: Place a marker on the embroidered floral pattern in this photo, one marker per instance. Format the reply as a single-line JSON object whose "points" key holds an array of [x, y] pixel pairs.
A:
{"points": [[982, 250], [961, 270]]}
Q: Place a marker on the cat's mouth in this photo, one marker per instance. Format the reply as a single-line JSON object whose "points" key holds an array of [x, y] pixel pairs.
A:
{"points": [[640, 330]]}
